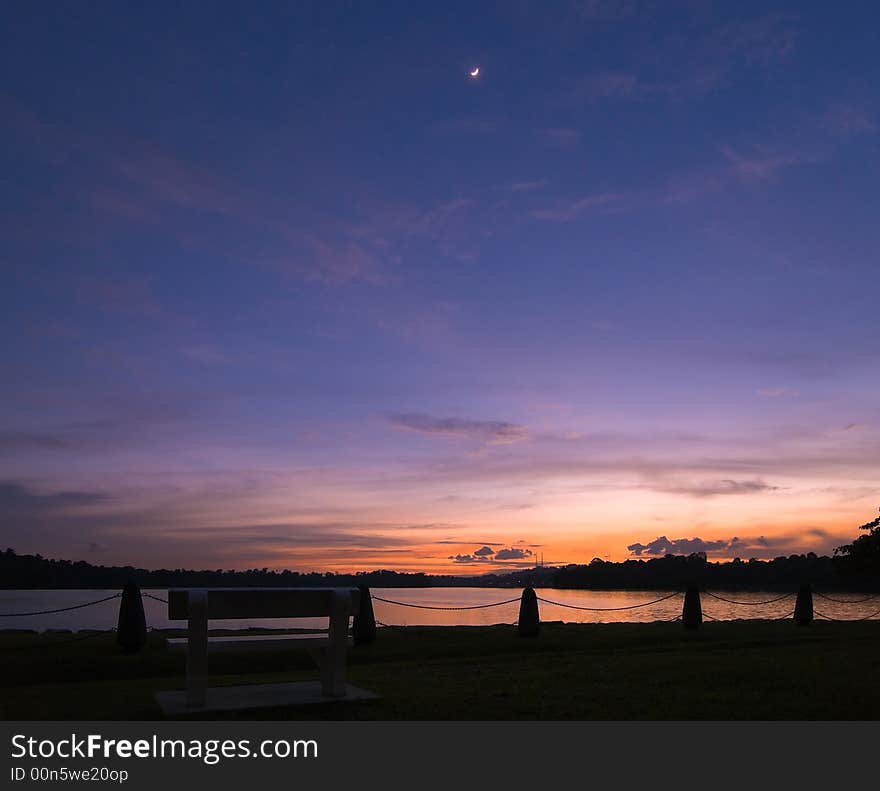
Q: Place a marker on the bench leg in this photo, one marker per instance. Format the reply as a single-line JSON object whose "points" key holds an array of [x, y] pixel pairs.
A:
{"points": [[197, 650], [333, 669], [321, 657]]}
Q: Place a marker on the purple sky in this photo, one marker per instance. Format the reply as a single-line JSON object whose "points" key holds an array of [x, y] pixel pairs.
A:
{"points": [[288, 288]]}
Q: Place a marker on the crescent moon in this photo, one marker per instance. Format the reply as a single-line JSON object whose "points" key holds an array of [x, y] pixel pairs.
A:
{"points": [[475, 72]]}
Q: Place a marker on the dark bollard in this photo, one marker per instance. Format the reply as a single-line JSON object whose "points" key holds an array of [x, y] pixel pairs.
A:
{"points": [[692, 612], [529, 620], [131, 631], [363, 629], [803, 608]]}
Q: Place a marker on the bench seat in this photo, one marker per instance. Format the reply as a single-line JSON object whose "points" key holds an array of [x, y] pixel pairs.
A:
{"points": [[256, 641]]}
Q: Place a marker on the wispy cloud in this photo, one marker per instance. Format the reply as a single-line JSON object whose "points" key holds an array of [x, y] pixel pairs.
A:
{"points": [[121, 424], [606, 84], [431, 325], [436, 222], [564, 211], [735, 168], [752, 167], [490, 431], [337, 262], [761, 165], [561, 136], [147, 529], [130, 296], [849, 120], [717, 488], [30, 440], [595, 10], [123, 180], [206, 353], [694, 466], [18, 501], [524, 186], [127, 179], [775, 392], [693, 62], [162, 178], [471, 125]]}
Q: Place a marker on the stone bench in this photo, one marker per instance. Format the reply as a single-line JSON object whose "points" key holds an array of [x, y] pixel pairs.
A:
{"points": [[200, 605]]}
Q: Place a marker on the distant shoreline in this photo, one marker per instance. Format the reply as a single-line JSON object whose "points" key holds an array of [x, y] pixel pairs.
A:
{"points": [[778, 588], [670, 572]]}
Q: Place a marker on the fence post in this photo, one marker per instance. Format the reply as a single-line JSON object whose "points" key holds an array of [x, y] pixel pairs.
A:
{"points": [[529, 623], [692, 611], [131, 629], [363, 629], [803, 607]]}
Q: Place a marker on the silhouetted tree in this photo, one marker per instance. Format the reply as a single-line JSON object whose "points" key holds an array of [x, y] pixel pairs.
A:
{"points": [[863, 555], [669, 572]]}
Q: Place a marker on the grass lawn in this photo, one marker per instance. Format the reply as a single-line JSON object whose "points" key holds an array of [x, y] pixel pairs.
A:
{"points": [[728, 670]]}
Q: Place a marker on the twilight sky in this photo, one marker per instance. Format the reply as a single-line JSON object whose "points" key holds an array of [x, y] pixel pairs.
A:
{"points": [[286, 287]]}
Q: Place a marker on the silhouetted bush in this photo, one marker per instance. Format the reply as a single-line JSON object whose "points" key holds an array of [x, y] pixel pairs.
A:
{"points": [[692, 611], [364, 625], [803, 607], [529, 624]]}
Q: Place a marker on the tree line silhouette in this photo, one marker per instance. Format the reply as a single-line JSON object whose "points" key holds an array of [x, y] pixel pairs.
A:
{"points": [[854, 566], [673, 571]]}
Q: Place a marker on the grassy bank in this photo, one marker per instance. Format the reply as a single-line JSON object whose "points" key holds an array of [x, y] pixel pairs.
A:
{"points": [[728, 670]]}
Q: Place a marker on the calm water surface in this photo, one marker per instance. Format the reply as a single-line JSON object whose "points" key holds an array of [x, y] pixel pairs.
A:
{"points": [[103, 616]]}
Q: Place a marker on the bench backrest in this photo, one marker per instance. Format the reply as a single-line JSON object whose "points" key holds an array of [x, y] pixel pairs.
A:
{"points": [[267, 602]]}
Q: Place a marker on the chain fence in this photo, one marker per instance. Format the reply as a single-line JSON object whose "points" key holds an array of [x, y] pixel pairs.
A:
{"points": [[544, 600]]}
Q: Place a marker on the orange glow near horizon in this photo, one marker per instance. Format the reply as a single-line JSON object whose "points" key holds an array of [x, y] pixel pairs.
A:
{"points": [[331, 521], [454, 548]]}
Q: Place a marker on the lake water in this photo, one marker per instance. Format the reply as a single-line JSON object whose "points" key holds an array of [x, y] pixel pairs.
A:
{"points": [[104, 615]]}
